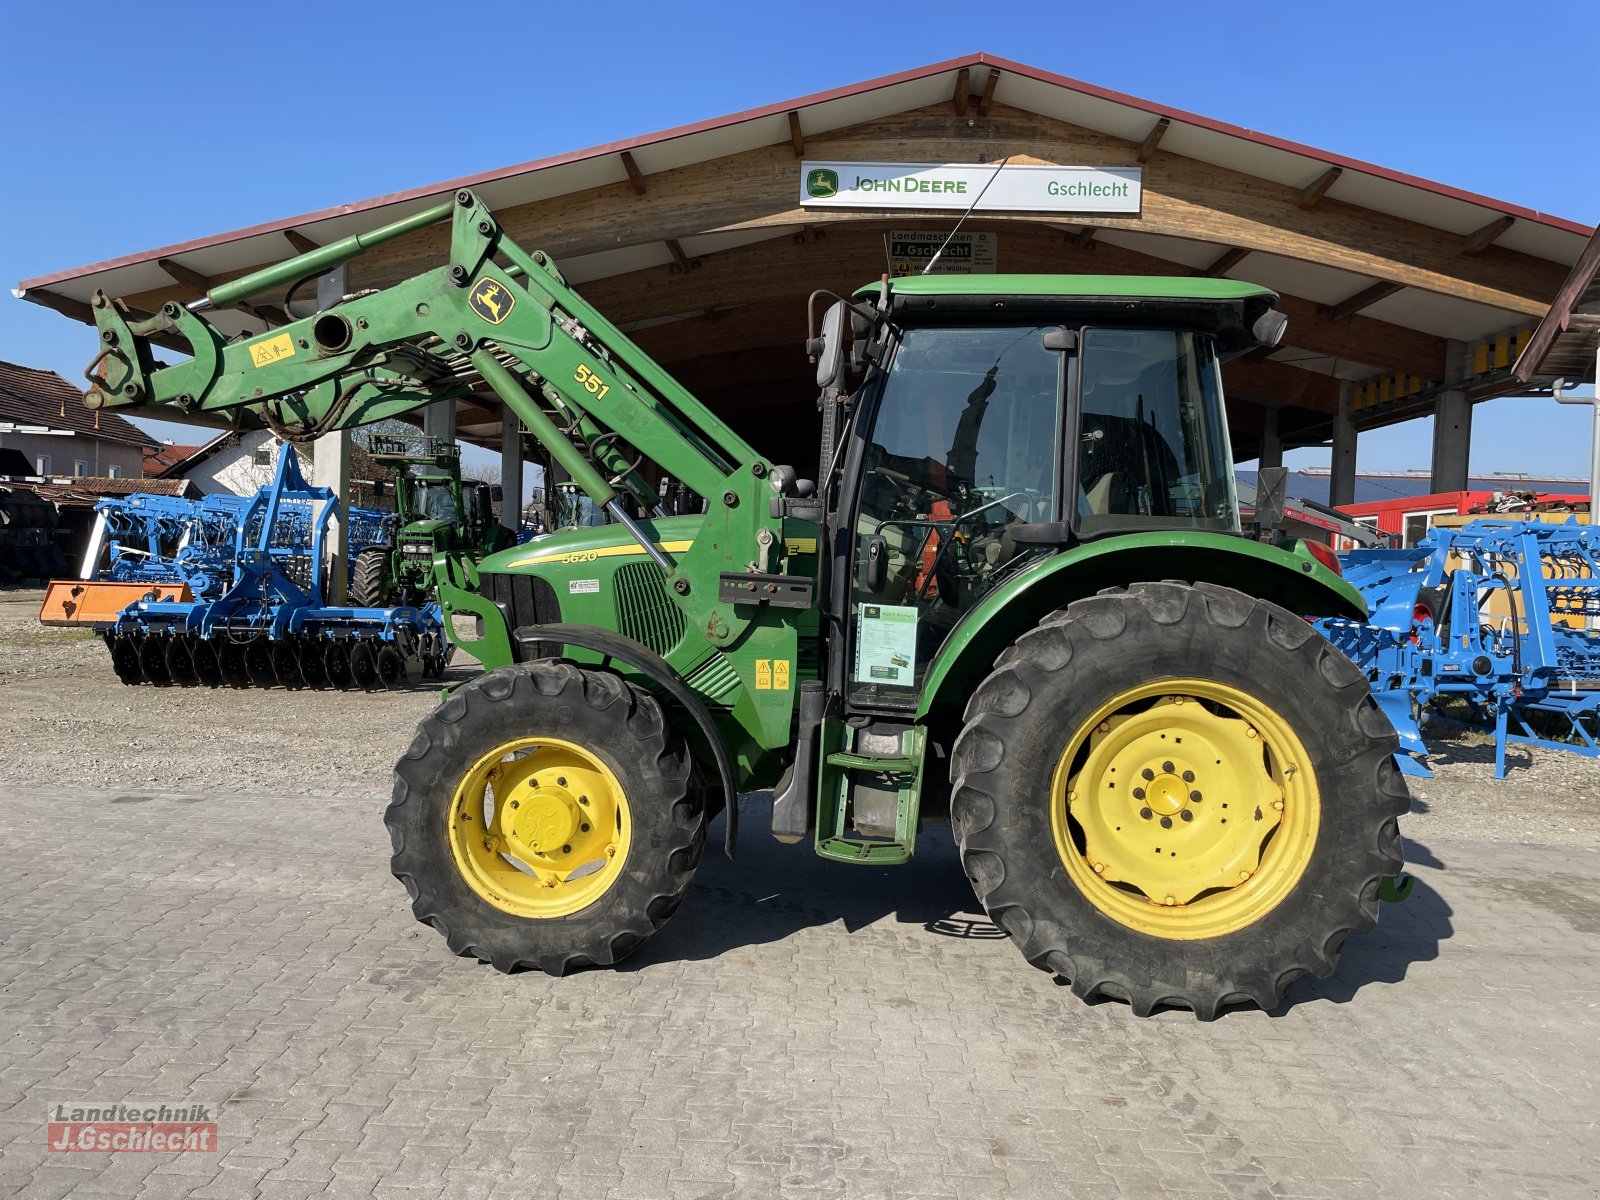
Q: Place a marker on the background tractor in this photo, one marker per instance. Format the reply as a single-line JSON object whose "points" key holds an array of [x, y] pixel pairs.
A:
{"points": [[439, 518], [1017, 598]]}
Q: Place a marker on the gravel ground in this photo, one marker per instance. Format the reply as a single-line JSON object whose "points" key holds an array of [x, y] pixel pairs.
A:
{"points": [[67, 719]]}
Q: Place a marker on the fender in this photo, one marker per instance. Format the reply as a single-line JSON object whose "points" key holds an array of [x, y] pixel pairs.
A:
{"points": [[1289, 577], [653, 667]]}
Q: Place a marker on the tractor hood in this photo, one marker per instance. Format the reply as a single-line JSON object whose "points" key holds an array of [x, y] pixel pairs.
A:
{"points": [[575, 546]]}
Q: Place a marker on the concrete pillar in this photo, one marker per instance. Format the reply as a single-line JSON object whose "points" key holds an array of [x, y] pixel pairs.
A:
{"points": [[439, 420], [1271, 444], [510, 469], [1452, 426], [1342, 481], [332, 452]]}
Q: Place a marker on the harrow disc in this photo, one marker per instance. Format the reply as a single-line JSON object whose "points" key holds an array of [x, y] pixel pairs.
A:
{"points": [[258, 662], [286, 664], [313, 662], [391, 668], [153, 660], [364, 666], [180, 661], [336, 662], [124, 658], [231, 664], [206, 667]]}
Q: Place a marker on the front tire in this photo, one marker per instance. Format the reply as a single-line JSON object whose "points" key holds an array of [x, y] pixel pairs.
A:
{"points": [[546, 816], [369, 582], [1177, 795]]}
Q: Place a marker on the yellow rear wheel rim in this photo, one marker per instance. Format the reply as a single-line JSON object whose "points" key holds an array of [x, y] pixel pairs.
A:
{"points": [[1185, 809], [539, 827]]}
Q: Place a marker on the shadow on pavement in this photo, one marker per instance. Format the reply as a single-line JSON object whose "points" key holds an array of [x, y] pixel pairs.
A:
{"points": [[774, 890]]}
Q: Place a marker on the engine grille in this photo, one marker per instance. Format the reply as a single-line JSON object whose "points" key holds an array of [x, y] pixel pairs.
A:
{"points": [[645, 612]]}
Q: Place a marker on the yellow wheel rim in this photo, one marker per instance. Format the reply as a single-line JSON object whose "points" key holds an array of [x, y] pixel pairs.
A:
{"points": [[1185, 809], [539, 827]]}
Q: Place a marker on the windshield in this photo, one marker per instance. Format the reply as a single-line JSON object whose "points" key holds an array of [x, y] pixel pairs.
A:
{"points": [[435, 501], [1153, 435]]}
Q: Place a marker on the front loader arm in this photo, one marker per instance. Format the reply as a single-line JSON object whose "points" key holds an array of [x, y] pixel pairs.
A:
{"points": [[494, 318]]}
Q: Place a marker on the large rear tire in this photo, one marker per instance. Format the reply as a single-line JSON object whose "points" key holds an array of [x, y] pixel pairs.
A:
{"points": [[1177, 795], [369, 583], [546, 816]]}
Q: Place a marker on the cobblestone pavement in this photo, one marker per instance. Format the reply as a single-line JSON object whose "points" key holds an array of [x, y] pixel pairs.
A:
{"points": [[798, 1030]]}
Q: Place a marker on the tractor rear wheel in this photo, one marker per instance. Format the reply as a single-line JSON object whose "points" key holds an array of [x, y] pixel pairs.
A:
{"points": [[369, 582], [546, 816], [1177, 795]]}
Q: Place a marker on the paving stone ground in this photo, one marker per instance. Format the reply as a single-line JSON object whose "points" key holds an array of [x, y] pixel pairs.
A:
{"points": [[798, 1030]]}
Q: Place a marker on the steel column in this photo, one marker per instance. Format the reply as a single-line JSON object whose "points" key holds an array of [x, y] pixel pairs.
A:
{"points": [[331, 453]]}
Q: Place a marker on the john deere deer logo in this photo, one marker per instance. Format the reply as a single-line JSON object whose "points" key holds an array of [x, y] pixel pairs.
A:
{"points": [[491, 301], [822, 183]]}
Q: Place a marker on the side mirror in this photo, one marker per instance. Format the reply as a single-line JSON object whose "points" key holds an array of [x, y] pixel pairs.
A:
{"points": [[830, 351], [877, 563], [1269, 326]]}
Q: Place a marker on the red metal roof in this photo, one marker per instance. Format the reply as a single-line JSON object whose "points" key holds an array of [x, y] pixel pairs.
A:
{"points": [[971, 60]]}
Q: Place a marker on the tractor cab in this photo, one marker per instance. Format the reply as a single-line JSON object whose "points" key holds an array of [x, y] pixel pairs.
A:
{"points": [[1002, 421]]}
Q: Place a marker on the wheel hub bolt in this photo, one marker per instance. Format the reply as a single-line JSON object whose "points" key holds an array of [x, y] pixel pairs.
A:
{"points": [[583, 829], [1147, 773], [1138, 793], [566, 849], [1188, 776], [1167, 767], [1196, 797], [1186, 815], [1146, 813], [1166, 822]]}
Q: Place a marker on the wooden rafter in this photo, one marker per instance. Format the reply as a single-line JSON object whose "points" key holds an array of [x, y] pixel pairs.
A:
{"points": [[1153, 139], [681, 259], [301, 243], [190, 278], [1082, 238], [985, 104], [1226, 262], [962, 96], [796, 138], [1365, 298], [1319, 186], [635, 176], [1481, 239]]}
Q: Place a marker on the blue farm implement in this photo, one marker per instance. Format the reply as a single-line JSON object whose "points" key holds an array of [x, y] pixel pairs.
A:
{"points": [[267, 624], [1487, 625]]}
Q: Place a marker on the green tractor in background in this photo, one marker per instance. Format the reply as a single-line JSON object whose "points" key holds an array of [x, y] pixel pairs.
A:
{"points": [[439, 518]]}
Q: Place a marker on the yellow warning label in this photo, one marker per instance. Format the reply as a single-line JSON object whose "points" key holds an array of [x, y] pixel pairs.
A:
{"points": [[800, 545], [764, 674], [273, 349], [780, 674]]}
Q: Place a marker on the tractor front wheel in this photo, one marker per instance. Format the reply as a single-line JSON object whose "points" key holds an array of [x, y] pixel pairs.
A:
{"points": [[546, 816], [1177, 795]]}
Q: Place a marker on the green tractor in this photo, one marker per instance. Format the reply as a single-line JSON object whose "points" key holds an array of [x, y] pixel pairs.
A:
{"points": [[440, 519], [1017, 598]]}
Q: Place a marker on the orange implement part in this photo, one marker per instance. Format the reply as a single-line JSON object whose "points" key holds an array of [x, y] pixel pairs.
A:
{"points": [[98, 601]]}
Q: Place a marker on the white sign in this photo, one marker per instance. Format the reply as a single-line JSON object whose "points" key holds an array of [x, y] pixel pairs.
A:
{"points": [[1015, 188], [967, 254]]}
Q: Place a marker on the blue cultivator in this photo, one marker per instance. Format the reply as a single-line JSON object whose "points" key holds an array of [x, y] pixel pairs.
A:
{"points": [[1488, 625], [268, 625]]}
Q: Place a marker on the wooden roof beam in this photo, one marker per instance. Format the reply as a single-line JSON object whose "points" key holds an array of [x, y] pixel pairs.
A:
{"points": [[1224, 263], [987, 102], [962, 96], [301, 243], [1480, 240], [203, 284], [1365, 298], [680, 260], [1319, 186], [796, 138], [1153, 139], [635, 176]]}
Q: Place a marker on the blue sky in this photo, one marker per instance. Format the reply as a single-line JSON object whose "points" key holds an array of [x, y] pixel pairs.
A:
{"points": [[132, 127]]}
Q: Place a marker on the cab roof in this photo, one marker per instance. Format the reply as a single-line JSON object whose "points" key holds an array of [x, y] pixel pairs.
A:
{"points": [[1074, 287]]}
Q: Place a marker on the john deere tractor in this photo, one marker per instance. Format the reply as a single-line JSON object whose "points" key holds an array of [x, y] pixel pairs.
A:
{"points": [[1017, 597], [439, 519]]}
